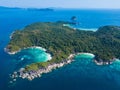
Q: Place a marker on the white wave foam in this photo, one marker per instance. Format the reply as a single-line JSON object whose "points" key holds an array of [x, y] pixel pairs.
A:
{"points": [[89, 54], [88, 29], [85, 29], [49, 57], [38, 48]]}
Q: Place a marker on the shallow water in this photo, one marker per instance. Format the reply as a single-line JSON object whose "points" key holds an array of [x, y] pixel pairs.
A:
{"points": [[29, 56]]}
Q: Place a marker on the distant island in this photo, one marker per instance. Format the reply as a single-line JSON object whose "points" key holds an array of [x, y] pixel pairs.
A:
{"points": [[29, 9], [63, 43], [40, 9]]}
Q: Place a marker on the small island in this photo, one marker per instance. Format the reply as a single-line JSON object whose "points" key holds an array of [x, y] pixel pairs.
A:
{"points": [[63, 43]]}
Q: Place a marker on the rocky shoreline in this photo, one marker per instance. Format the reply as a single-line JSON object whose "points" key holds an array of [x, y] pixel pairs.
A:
{"points": [[14, 52], [30, 75], [11, 53], [104, 62]]}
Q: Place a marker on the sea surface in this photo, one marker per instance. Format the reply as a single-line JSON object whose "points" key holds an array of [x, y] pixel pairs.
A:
{"points": [[30, 55], [82, 74]]}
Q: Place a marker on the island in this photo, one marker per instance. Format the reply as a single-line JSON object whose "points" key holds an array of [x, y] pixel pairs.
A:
{"points": [[28, 9], [63, 43], [39, 9]]}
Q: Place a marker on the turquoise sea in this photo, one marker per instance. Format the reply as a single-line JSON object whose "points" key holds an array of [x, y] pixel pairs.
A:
{"points": [[82, 74], [29, 56]]}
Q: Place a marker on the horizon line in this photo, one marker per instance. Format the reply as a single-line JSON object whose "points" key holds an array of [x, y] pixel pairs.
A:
{"points": [[56, 7]]}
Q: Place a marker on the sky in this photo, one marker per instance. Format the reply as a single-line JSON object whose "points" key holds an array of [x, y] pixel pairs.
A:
{"points": [[62, 3]]}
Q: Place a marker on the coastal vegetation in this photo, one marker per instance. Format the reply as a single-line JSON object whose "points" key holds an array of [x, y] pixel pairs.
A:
{"points": [[60, 41]]}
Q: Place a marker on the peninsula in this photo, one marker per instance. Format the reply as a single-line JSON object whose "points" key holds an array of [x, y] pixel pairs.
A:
{"points": [[63, 43]]}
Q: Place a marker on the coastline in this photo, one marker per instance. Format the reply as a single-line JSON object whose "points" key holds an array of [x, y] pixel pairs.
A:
{"points": [[30, 75], [11, 35], [100, 63], [11, 53], [14, 52], [85, 29], [90, 54]]}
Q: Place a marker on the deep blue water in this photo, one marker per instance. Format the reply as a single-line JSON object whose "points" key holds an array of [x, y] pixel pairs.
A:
{"points": [[82, 74]]}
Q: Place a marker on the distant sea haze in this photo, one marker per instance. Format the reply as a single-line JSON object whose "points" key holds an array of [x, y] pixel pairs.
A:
{"points": [[82, 74]]}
